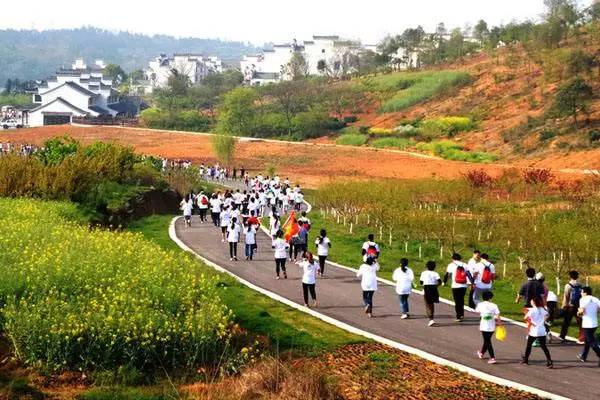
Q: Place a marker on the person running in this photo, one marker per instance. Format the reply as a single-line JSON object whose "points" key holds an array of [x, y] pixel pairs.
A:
{"points": [[225, 218], [249, 241], [203, 204], [215, 209], [280, 246], [531, 289], [275, 225], [300, 246], [430, 281], [536, 321], [323, 245], [233, 237], [588, 311], [309, 271], [368, 274], [370, 248], [404, 277], [187, 205], [458, 272], [490, 316], [570, 305], [485, 274], [472, 266]]}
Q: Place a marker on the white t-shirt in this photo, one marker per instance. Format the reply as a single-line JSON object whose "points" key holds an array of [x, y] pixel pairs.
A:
{"points": [[250, 235], [187, 207], [225, 218], [280, 246], [429, 277], [368, 275], [472, 266], [200, 205], [308, 272], [299, 198], [275, 227], [233, 233], [215, 205], [452, 270], [552, 296], [366, 246], [537, 317], [590, 305], [323, 247], [488, 312], [480, 268], [404, 280]]}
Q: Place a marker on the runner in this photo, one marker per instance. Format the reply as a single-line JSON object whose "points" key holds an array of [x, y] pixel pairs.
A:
{"points": [[458, 272], [250, 241], [490, 316], [485, 274], [280, 246], [370, 248], [588, 311], [309, 270], [187, 205], [472, 268], [368, 274], [536, 318], [233, 237], [570, 304], [203, 204], [215, 209], [404, 277], [430, 281], [225, 218], [323, 245]]}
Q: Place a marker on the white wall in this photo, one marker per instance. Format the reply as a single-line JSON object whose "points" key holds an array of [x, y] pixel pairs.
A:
{"points": [[69, 94]]}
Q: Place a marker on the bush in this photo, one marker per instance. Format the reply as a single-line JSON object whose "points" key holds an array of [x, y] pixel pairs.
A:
{"points": [[363, 130], [454, 151], [538, 176], [352, 139], [594, 136], [478, 178], [312, 123], [446, 126], [190, 120], [399, 143], [406, 130], [547, 134], [130, 304], [349, 119], [270, 124], [381, 131]]}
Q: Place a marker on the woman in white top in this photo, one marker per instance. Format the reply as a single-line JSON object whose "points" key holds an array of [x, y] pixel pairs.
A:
{"points": [[430, 281], [250, 241], [203, 204], [490, 316], [323, 245], [536, 323], [275, 225], [280, 246], [233, 237], [404, 277], [368, 274], [215, 209], [187, 205], [309, 271], [225, 218]]}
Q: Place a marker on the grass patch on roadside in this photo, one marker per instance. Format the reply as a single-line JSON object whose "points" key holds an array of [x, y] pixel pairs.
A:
{"points": [[453, 151], [287, 328], [396, 143], [352, 139]]}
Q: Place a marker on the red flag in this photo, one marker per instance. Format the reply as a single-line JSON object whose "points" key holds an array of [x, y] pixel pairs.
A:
{"points": [[290, 228]]}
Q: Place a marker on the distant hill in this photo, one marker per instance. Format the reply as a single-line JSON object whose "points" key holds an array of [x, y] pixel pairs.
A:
{"points": [[30, 54]]}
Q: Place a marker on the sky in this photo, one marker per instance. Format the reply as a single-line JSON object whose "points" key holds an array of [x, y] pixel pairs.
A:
{"points": [[265, 21]]}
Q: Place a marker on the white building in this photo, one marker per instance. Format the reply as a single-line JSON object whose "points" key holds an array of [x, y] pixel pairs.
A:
{"points": [[194, 66], [79, 91]]}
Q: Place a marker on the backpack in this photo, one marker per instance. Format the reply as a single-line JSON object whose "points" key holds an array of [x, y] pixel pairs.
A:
{"points": [[575, 296], [204, 201], [372, 251], [486, 276], [460, 275]]}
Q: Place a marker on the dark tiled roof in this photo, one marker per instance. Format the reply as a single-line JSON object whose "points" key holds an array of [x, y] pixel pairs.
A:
{"points": [[100, 110], [265, 75], [129, 105]]}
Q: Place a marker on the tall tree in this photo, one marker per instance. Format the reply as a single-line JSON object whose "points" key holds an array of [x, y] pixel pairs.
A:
{"points": [[481, 32], [116, 73], [573, 99], [237, 114], [297, 67]]}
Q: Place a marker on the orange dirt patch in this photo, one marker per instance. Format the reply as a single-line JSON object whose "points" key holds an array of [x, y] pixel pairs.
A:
{"points": [[310, 163]]}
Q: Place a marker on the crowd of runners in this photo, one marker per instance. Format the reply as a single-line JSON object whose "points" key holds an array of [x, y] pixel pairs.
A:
{"points": [[20, 149], [237, 214]]}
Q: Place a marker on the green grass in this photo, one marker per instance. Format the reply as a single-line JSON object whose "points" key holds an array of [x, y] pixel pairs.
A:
{"points": [[352, 139], [15, 99], [287, 329], [128, 393], [398, 143], [410, 88], [453, 151], [445, 126]]}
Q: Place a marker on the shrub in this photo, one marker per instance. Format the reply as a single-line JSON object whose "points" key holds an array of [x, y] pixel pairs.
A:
{"points": [[349, 119], [446, 126], [453, 151], [594, 136], [547, 134], [478, 178], [363, 130], [224, 147], [399, 143], [406, 130], [270, 124], [352, 139], [176, 120], [538, 176], [313, 123], [130, 304], [381, 131]]}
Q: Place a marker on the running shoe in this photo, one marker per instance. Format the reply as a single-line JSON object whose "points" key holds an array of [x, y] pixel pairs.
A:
{"points": [[580, 358], [492, 361], [479, 354], [404, 316], [431, 323]]}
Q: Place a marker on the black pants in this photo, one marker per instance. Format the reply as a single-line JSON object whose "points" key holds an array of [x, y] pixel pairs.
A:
{"points": [[542, 341], [551, 306], [368, 300], [306, 288], [322, 263], [233, 249], [215, 218], [487, 343], [279, 265], [299, 249], [203, 214], [569, 313], [590, 342], [459, 301], [471, 300]]}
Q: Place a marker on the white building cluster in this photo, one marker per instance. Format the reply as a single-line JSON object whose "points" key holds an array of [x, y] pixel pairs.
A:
{"points": [[194, 66], [79, 91], [324, 55]]}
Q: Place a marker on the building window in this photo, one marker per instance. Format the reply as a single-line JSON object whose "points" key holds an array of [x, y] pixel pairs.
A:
{"points": [[37, 98]]}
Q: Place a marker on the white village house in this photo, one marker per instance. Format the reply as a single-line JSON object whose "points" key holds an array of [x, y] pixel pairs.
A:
{"points": [[79, 91], [195, 66]]}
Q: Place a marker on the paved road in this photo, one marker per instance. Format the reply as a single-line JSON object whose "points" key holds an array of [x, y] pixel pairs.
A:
{"points": [[339, 295]]}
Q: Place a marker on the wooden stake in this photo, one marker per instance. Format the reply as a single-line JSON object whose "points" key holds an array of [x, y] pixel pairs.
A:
{"points": [[420, 256], [351, 226], [406, 247]]}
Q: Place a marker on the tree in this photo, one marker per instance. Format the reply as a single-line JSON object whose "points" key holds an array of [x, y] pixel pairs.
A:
{"points": [[297, 67], [178, 83], [224, 146], [291, 98], [573, 99], [116, 73], [580, 62], [341, 98], [481, 32], [237, 114]]}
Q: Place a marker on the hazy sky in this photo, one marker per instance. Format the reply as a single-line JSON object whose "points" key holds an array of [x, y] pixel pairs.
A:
{"points": [[268, 20]]}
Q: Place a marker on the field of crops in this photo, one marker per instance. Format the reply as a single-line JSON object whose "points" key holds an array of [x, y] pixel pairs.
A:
{"points": [[78, 298]]}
